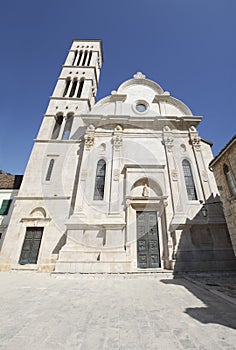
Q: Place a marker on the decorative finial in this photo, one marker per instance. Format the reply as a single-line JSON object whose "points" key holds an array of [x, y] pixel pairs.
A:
{"points": [[139, 75]]}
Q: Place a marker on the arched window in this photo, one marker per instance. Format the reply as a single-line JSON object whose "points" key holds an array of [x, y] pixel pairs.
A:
{"points": [[230, 180], [57, 126], [67, 129], [49, 172], [100, 180], [81, 84], [72, 91], [80, 56], [75, 56], [85, 57], [66, 87], [188, 178]]}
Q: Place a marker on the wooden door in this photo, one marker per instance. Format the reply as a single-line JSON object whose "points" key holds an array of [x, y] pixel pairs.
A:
{"points": [[31, 245], [148, 251]]}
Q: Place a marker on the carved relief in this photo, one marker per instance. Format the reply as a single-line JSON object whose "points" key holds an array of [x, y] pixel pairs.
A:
{"points": [[116, 174], [183, 148], [83, 175], [196, 142], [204, 176], [168, 142], [145, 192], [117, 141], [128, 201], [117, 137], [89, 137], [102, 148], [174, 175], [167, 128], [139, 75], [118, 128]]}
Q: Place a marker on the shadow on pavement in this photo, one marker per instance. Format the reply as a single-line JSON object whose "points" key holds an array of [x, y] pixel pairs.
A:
{"points": [[217, 310]]}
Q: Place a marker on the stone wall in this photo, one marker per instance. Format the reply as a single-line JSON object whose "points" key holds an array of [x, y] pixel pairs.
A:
{"points": [[229, 201]]}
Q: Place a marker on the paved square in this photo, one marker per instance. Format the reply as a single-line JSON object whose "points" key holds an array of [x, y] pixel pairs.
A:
{"points": [[87, 312]]}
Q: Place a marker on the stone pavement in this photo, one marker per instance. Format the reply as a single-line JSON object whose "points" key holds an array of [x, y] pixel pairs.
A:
{"points": [[88, 312]]}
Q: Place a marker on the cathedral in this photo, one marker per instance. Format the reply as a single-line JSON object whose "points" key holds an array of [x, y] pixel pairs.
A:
{"points": [[119, 185]]}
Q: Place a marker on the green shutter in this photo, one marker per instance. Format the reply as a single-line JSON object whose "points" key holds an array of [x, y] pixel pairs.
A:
{"points": [[5, 206]]}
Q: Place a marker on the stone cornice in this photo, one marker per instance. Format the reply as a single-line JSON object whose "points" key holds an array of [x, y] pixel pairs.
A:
{"points": [[42, 198], [57, 141], [154, 121]]}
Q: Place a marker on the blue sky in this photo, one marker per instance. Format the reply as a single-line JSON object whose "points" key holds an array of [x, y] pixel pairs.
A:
{"points": [[187, 46]]}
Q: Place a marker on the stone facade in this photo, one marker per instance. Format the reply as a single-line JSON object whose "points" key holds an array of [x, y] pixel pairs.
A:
{"points": [[115, 186], [224, 168]]}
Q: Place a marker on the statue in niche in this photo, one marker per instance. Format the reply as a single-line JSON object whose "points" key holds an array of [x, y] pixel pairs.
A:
{"points": [[145, 191]]}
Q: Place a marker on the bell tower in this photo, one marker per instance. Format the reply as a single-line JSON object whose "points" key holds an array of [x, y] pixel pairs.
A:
{"points": [[49, 179], [76, 88], [78, 82]]}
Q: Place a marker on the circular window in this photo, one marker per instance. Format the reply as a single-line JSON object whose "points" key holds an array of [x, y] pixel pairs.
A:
{"points": [[141, 107]]}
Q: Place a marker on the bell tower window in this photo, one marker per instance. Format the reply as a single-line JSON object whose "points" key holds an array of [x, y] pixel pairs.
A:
{"points": [[72, 91], [75, 56], [66, 87], [85, 57], [81, 84], [80, 56], [67, 129], [89, 59], [57, 126]]}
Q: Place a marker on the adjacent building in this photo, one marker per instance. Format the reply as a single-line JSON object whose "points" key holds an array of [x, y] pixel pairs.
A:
{"points": [[118, 185], [9, 187], [224, 168]]}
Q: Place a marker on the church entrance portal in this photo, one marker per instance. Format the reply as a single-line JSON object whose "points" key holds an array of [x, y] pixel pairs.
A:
{"points": [[148, 251]]}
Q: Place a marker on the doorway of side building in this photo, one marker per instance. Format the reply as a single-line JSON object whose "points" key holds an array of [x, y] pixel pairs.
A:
{"points": [[31, 245], [148, 249]]}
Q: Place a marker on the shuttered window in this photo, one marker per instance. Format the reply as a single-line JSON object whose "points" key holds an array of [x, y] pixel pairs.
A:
{"points": [[5, 206]]}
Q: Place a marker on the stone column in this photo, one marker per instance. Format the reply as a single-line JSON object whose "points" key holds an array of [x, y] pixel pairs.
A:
{"points": [[70, 58], [176, 196], [89, 142], [87, 89], [69, 89], [202, 171], [114, 248], [114, 201]]}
